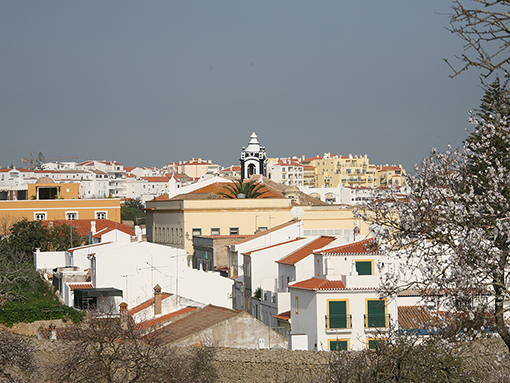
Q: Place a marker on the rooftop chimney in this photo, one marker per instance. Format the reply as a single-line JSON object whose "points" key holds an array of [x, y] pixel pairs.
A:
{"points": [[124, 315], [157, 300]]}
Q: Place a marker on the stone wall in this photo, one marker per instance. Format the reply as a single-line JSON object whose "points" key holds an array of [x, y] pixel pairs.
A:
{"points": [[249, 365]]}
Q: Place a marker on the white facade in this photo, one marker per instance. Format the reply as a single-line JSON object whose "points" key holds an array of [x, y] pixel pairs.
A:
{"points": [[340, 307], [287, 172], [135, 268]]}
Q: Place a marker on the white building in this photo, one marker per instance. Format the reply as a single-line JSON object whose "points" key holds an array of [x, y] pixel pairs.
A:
{"points": [[340, 307], [287, 171]]}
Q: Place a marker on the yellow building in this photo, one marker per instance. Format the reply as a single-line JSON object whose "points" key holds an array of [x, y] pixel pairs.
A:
{"points": [[334, 170], [176, 221], [52, 201], [390, 175]]}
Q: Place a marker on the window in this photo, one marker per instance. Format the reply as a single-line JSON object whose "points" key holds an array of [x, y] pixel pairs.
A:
{"points": [[234, 231], [196, 232], [373, 342], [39, 216], [337, 314], [296, 305], [215, 231], [101, 214], [339, 344], [262, 228], [71, 215], [364, 267], [376, 313]]}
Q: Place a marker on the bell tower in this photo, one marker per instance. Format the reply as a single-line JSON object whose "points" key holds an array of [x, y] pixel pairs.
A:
{"points": [[253, 159]]}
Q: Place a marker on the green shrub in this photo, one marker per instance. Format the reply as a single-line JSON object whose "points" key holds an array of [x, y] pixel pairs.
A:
{"points": [[28, 312]]}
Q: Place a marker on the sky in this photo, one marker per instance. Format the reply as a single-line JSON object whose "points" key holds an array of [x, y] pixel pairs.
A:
{"points": [[151, 82]]}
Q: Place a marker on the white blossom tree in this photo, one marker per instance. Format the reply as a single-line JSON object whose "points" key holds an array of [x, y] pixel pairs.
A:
{"points": [[454, 227]]}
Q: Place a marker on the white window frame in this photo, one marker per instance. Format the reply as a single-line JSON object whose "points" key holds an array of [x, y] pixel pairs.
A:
{"points": [[42, 213], [96, 214], [71, 212]]}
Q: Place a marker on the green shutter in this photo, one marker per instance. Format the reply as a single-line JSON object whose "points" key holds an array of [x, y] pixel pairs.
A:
{"points": [[372, 343], [337, 314], [376, 313], [364, 267], [338, 345]]}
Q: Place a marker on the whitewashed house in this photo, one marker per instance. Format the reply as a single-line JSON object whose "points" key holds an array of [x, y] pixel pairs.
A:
{"points": [[340, 307]]}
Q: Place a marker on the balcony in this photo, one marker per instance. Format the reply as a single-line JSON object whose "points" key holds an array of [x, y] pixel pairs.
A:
{"points": [[376, 321], [338, 322]]}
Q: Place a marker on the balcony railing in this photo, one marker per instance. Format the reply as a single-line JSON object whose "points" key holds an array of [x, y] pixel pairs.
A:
{"points": [[376, 320], [334, 322]]}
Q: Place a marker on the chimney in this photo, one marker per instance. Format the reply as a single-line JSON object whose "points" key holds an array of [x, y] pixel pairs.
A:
{"points": [[157, 300], [124, 315], [93, 227]]}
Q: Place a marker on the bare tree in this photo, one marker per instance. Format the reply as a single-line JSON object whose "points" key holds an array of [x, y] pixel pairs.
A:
{"points": [[109, 348], [403, 358], [484, 27], [17, 359]]}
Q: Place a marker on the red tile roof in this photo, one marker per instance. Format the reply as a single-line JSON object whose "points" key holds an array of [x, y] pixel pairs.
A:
{"points": [[221, 187], [283, 316], [147, 303], [365, 246], [318, 284], [83, 225], [74, 286], [305, 251], [156, 179], [197, 321], [164, 318], [414, 317]]}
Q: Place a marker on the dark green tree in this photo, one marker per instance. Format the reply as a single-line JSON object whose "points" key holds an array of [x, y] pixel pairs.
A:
{"points": [[132, 210], [26, 236], [62, 237], [249, 189]]}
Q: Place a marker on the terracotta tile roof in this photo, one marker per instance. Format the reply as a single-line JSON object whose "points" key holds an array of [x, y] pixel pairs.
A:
{"points": [[147, 303], [83, 225], [262, 233], [220, 187], [164, 318], [414, 317], [233, 168], [156, 179], [196, 322], [365, 246], [196, 196], [271, 246], [162, 197], [305, 251], [283, 316], [318, 284], [74, 286]]}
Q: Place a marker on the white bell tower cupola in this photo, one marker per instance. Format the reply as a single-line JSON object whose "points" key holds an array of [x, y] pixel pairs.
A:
{"points": [[253, 159]]}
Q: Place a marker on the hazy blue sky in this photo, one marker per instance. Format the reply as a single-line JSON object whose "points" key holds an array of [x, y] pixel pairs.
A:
{"points": [[149, 82]]}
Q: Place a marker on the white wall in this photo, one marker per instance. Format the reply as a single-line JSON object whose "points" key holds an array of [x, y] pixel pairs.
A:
{"points": [[49, 259]]}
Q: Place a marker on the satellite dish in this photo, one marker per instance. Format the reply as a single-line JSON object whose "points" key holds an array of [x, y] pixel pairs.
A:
{"points": [[297, 211]]}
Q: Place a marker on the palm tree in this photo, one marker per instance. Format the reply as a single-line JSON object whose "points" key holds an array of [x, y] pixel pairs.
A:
{"points": [[248, 189]]}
